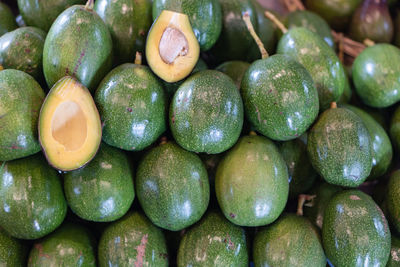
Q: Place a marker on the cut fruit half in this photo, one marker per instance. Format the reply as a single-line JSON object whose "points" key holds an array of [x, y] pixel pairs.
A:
{"points": [[69, 125], [172, 49]]}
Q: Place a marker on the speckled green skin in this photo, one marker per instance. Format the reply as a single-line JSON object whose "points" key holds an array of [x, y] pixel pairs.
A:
{"points": [[7, 20], [339, 148], [395, 128], [394, 259], [355, 231], [12, 251], [103, 190], [311, 21], [205, 16], [41, 207], [20, 100], [234, 69], [213, 241], [376, 75], [323, 193], [280, 98], [252, 182], [78, 44], [206, 113], [235, 40], [132, 107], [172, 187], [393, 199], [337, 13], [291, 241], [347, 93], [42, 13], [128, 22], [132, 241], [319, 59], [372, 20], [22, 49], [301, 173], [69, 245], [382, 151]]}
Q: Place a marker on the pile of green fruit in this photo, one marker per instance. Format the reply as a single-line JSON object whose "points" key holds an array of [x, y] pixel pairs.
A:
{"points": [[199, 133]]}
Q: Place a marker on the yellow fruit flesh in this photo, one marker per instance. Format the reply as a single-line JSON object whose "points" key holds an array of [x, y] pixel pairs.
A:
{"points": [[69, 125]]}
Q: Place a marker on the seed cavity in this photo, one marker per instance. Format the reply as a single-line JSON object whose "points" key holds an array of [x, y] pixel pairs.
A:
{"points": [[173, 44]]}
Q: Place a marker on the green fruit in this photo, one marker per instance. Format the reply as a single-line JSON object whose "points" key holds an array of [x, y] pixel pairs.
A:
{"points": [[252, 182], [376, 75], [394, 259], [393, 199], [213, 241], [132, 107], [337, 13], [347, 93], [313, 22], [172, 187], [301, 172], [323, 192], [235, 40], [206, 113], [291, 241], [128, 22], [32, 198], [132, 241], [319, 59], [339, 148], [20, 100], [101, 191], [280, 98], [22, 49], [7, 20], [395, 128], [42, 13], [234, 69], [69, 245], [355, 231], [382, 150], [205, 16], [12, 251], [78, 44]]}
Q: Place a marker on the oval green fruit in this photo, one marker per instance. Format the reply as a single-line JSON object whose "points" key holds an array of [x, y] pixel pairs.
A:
{"points": [[291, 241], [7, 20], [132, 241], [376, 75], [205, 16], [172, 187], [339, 148], [252, 182], [22, 49], [103, 190], [128, 22], [393, 199], [12, 251], [280, 98], [319, 59], [206, 113], [394, 259], [234, 69], [355, 231], [395, 128], [69, 245], [32, 198], [213, 241], [132, 106], [20, 100], [78, 44]]}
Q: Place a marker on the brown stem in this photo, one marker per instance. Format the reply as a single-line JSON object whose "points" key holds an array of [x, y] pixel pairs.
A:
{"points": [[333, 105], [89, 5], [249, 25], [276, 21], [163, 140], [341, 47], [1, 68], [252, 133], [302, 199], [293, 5], [350, 47], [138, 58], [369, 42]]}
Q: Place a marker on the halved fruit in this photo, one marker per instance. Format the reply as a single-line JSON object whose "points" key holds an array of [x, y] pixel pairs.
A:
{"points": [[172, 49], [69, 125]]}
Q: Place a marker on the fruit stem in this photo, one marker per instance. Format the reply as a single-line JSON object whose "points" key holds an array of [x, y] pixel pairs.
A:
{"points": [[293, 5], [341, 47], [369, 42], [89, 5], [249, 25], [1, 68], [302, 199], [276, 21], [138, 58], [164, 140], [252, 133], [333, 105]]}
